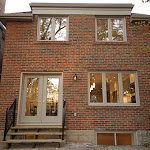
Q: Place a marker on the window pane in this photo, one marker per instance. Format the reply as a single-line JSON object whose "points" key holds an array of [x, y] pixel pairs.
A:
{"points": [[96, 88], [32, 97], [60, 29], [102, 29], [117, 29], [112, 88], [45, 28], [105, 139], [128, 88], [124, 139], [52, 96]]}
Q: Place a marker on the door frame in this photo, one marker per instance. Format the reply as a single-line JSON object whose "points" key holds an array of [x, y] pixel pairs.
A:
{"points": [[22, 78]]}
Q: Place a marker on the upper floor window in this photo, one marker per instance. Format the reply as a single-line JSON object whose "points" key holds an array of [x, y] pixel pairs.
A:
{"points": [[53, 29], [110, 29], [113, 88]]}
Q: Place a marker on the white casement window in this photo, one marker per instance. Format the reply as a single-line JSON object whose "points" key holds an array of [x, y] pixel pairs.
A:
{"points": [[111, 29], [53, 29], [113, 88]]}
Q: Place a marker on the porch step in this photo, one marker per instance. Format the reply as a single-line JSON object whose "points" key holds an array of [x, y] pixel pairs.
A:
{"points": [[36, 127], [36, 133], [35, 141]]}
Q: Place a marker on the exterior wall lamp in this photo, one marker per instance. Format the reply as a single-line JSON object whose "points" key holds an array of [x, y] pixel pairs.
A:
{"points": [[75, 77]]}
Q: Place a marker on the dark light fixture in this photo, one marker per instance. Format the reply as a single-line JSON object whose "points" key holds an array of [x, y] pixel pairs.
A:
{"points": [[75, 77]]}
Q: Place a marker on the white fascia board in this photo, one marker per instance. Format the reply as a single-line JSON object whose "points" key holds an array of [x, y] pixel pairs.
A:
{"points": [[135, 17], [16, 17], [82, 5], [81, 11]]}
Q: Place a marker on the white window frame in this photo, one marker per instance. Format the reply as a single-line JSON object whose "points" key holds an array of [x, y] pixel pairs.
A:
{"points": [[104, 95], [53, 28], [133, 133], [110, 29]]}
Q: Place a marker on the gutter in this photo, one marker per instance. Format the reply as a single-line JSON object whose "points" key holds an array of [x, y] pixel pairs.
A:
{"points": [[16, 17]]}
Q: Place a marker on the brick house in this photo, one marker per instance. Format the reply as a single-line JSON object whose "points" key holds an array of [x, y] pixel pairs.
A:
{"points": [[95, 56], [2, 34]]}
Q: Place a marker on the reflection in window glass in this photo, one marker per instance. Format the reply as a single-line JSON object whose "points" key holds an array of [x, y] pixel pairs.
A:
{"points": [[112, 88], [102, 29], [96, 88], [52, 97], [128, 88], [117, 29], [45, 28], [60, 29], [32, 96]]}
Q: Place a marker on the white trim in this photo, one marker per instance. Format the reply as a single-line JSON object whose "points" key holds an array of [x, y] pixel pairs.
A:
{"points": [[22, 89], [104, 96], [115, 139], [53, 27], [133, 133], [110, 28], [81, 11], [120, 89], [20, 96]]}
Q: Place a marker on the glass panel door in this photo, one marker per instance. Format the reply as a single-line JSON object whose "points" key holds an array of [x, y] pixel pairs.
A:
{"points": [[32, 96], [52, 99], [42, 100]]}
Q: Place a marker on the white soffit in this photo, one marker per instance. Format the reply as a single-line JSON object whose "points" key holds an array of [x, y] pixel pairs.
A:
{"points": [[81, 9]]}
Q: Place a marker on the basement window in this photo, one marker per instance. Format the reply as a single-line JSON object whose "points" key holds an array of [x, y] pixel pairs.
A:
{"points": [[115, 138], [53, 28], [111, 88]]}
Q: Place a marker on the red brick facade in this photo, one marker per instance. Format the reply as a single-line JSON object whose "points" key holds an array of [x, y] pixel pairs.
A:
{"points": [[81, 54]]}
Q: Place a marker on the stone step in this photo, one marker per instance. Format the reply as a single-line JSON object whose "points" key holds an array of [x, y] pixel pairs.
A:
{"points": [[35, 133], [35, 141], [36, 127]]}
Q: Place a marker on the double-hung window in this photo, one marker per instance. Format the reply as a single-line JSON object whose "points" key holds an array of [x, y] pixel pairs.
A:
{"points": [[53, 28], [113, 88], [111, 29]]}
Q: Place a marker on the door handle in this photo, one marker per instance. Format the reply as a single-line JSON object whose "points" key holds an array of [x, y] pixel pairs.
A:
{"points": [[44, 99]]}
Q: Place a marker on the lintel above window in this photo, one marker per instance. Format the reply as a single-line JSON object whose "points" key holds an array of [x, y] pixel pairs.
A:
{"points": [[110, 29], [113, 88], [53, 28]]}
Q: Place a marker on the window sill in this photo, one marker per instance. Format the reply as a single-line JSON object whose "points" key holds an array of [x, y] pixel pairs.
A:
{"points": [[54, 42], [111, 43], [114, 104]]}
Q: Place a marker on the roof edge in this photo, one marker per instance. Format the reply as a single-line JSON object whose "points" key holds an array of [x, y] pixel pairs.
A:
{"points": [[16, 17], [139, 17], [82, 5]]}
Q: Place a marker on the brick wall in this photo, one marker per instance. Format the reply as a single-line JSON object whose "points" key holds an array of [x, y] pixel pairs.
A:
{"points": [[23, 53]]}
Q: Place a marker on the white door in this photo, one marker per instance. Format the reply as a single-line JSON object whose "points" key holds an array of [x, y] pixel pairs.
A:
{"points": [[42, 100]]}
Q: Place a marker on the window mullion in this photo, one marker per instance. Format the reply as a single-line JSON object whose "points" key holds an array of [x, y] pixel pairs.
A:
{"points": [[120, 88], [124, 29], [109, 29], [136, 88], [115, 139], [53, 28], [104, 88]]}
